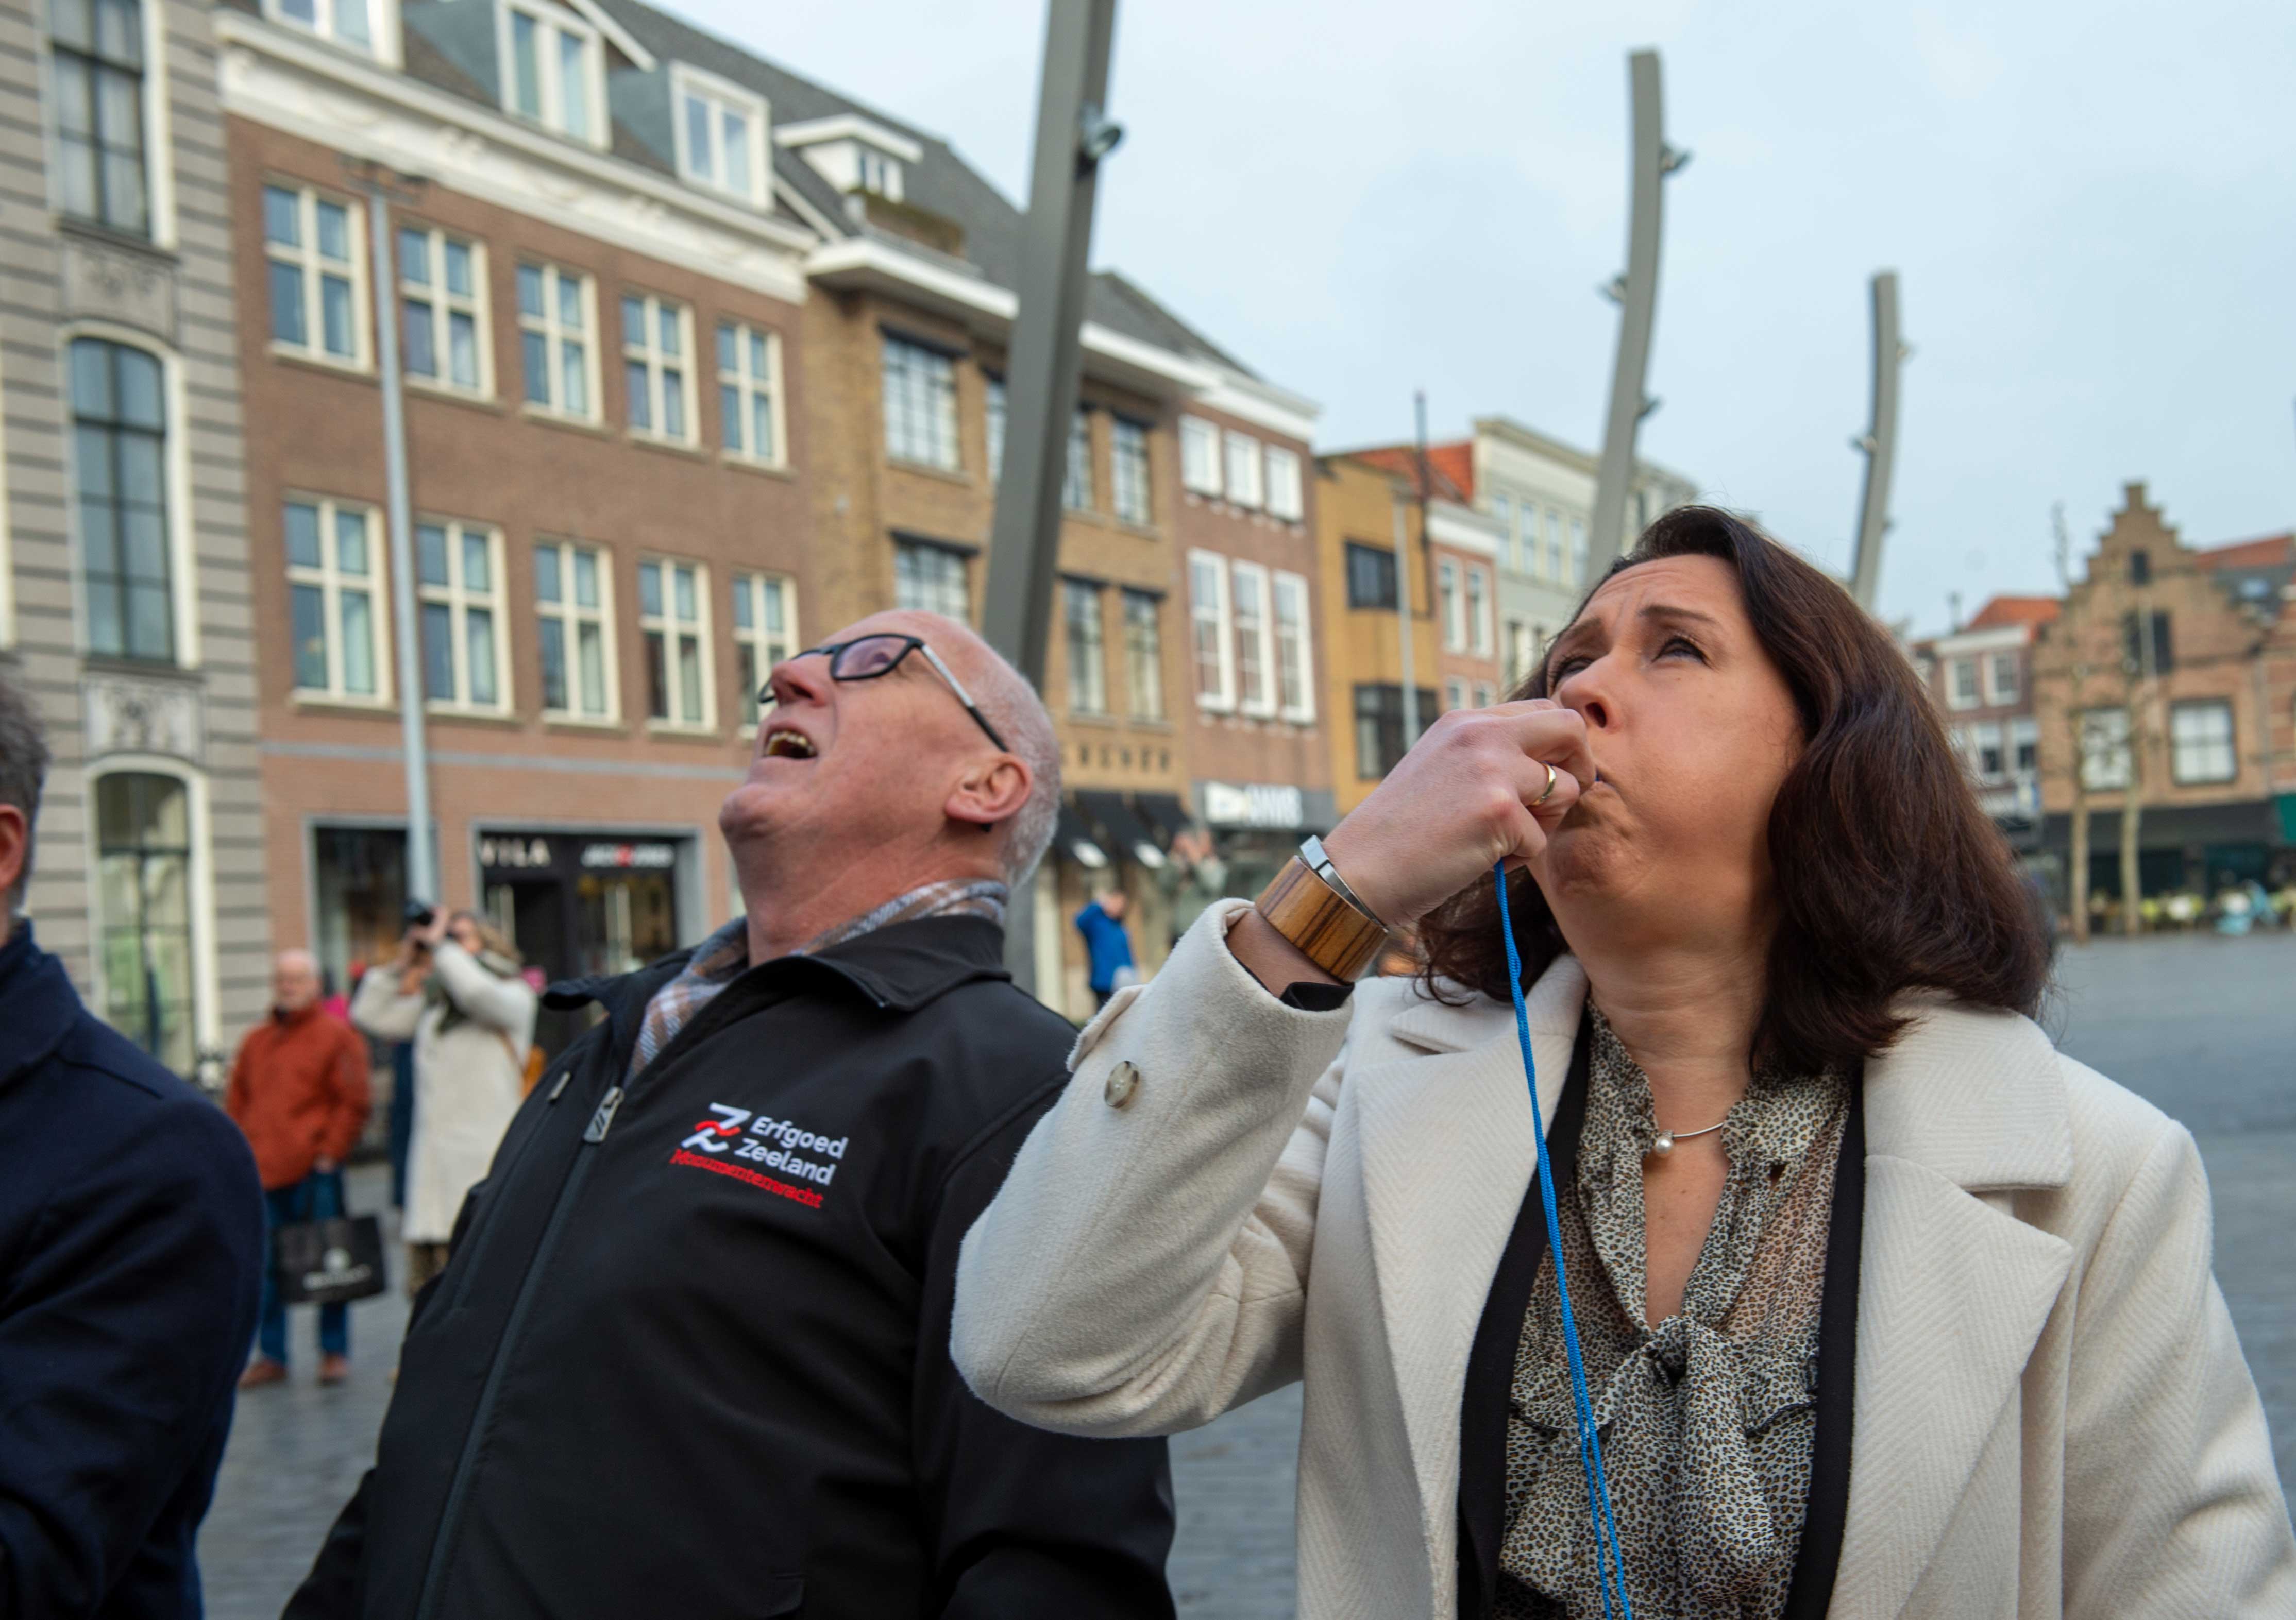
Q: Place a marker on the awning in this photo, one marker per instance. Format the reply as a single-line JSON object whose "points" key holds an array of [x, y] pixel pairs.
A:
{"points": [[1113, 820], [1072, 838], [1164, 812]]}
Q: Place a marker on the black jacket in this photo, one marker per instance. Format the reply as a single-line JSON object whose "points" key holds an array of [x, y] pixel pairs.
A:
{"points": [[690, 1357], [131, 1255]]}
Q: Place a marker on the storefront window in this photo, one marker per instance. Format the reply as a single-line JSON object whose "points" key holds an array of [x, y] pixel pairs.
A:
{"points": [[144, 861], [361, 878]]}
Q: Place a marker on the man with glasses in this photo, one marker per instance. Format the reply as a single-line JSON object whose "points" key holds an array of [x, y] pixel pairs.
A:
{"points": [[690, 1352]]}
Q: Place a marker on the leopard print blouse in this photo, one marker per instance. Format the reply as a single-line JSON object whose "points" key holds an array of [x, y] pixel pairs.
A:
{"points": [[1706, 1418]]}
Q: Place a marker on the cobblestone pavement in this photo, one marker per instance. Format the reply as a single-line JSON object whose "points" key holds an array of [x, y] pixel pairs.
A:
{"points": [[2205, 1027]]}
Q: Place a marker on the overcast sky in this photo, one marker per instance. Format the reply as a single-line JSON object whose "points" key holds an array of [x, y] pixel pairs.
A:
{"points": [[2092, 209]]}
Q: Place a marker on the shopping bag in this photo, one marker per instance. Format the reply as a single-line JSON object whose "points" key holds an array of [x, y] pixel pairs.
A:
{"points": [[330, 1261]]}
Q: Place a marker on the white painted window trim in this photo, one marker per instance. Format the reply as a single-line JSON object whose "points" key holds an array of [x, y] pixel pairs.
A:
{"points": [[571, 616], [645, 351], [183, 571], [1996, 693], [2102, 742], [1980, 734], [330, 579], [758, 586], [1303, 712], [1485, 695], [1079, 489], [1091, 678], [306, 257], [1265, 708], [459, 598], [747, 389], [1152, 665], [723, 96], [445, 305], [1242, 450], [552, 90], [385, 34], [1201, 469], [2177, 744], [2023, 729], [158, 114], [1454, 694], [1451, 605], [1286, 497], [945, 556], [672, 628], [1213, 613], [1142, 508], [206, 981], [1479, 610], [1953, 697], [554, 333], [944, 425]]}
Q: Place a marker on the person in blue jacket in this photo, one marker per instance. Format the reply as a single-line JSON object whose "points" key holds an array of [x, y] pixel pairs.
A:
{"points": [[1105, 943], [131, 1254]]}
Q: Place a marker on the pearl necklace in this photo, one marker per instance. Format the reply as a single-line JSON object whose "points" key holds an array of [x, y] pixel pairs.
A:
{"points": [[1663, 1143]]}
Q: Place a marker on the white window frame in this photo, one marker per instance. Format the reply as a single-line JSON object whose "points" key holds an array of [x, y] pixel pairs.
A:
{"points": [[1145, 697], [1983, 735], [445, 305], [748, 388], [2024, 731], [1240, 464], [939, 377], [1578, 553], [1087, 683], [673, 628], [550, 84], [1998, 691], [554, 334], [1200, 456], [995, 414], [1558, 567], [756, 590], [1486, 694], [1955, 697], [1285, 496], [2105, 753], [1302, 655], [963, 562], [658, 363], [1454, 694], [1077, 490], [1130, 492], [721, 97], [384, 41], [1522, 651], [1450, 606], [1210, 616], [199, 890], [877, 170], [305, 257], [2178, 745], [1478, 609], [176, 463], [1262, 636], [329, 579], [459, 598], [572, 616], [154, 107]]}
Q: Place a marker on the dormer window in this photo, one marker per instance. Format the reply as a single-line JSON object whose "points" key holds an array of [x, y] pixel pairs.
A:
{"points": [[854, 153], [369, 27], [721, 134], [880, 173], [553, 71]]}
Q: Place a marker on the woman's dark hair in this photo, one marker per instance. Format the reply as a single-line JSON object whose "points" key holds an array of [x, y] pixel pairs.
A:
{"points": [[1888, 877]]}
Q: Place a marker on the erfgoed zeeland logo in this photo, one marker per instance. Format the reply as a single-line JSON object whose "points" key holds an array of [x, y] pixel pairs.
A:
{"points": [[759, 1139]]}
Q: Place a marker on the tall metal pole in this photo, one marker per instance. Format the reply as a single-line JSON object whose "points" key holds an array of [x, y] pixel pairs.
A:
{"points": [[1637, 292], [1402, 622], [421, 855], [1073, 135], [1879, 442]]}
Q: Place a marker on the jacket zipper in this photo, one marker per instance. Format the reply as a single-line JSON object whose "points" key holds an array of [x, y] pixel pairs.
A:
{"points": [[434, 1579]]}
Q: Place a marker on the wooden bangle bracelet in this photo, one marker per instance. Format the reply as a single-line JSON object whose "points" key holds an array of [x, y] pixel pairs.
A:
{"points": [[1320, 923]]}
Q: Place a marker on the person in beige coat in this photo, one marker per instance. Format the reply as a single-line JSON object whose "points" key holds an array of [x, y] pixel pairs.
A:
{"points": [[457, 993], [1904, 1314]]}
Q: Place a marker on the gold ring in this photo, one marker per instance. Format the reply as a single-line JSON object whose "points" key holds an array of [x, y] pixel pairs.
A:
{"points": [[1549, 793]]}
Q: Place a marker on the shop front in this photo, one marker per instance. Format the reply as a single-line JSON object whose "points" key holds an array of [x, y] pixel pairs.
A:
{"points": [[1256, 826]]}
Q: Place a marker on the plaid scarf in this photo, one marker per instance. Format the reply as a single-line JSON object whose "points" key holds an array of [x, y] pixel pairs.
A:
{"points": [[725, 956]]}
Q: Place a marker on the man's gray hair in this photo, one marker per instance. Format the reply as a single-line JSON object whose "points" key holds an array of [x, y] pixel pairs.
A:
{"points": [[23, 769], [1019, 714]]}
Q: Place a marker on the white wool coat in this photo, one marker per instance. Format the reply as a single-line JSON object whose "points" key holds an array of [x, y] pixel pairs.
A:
{"points": [[468, 1080], [2051, 1413]]}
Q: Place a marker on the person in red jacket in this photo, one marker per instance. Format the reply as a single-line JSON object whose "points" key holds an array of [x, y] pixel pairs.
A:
{"points": [[299, 1090]]}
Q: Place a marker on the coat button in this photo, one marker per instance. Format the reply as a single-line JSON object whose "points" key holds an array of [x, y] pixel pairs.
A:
{"points": [[1123, 1080]]}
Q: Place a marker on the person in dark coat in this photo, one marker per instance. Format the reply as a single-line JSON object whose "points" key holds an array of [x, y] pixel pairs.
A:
{"points": [[131, 1250], [689, 1353]]}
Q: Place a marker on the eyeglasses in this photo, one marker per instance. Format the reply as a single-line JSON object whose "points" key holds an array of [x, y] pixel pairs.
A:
{"points": [[866, 657]]}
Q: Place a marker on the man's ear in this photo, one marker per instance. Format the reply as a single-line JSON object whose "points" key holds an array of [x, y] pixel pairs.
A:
{"points": [[991, 790], [15, 838]]}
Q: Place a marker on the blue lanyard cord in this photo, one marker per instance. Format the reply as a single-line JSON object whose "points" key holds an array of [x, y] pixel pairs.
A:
{"points": [[1608, 1569]]}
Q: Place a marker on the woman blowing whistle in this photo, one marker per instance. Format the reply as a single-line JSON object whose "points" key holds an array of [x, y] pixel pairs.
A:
{"points": [[1887, 1308]]}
